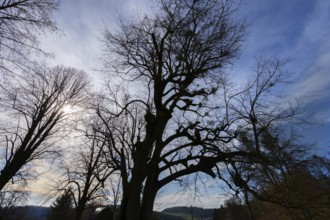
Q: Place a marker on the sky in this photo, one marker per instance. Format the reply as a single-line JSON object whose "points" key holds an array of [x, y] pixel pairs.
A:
{"points": [[298, 30]]}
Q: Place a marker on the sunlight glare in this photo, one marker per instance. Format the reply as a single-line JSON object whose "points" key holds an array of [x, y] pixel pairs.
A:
{"points": [[67, 109]]}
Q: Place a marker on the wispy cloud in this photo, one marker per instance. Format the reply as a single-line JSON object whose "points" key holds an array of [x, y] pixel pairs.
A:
{"points": [[312, 85], [83, 23], [298, 30]]}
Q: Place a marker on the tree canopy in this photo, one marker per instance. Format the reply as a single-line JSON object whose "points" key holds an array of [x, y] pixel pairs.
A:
{"points": [[21, 21]]}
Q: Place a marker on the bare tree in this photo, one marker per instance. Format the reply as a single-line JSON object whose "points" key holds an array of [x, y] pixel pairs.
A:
{"points": [[186, 120], [87, 174], [177, 57], [280, 174], [35, 117], [9, 199], [20, 23]]}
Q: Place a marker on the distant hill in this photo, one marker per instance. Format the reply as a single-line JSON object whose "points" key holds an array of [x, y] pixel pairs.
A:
{"points": [[28, 213], [175, 213], [168, 216], [185, 213]]}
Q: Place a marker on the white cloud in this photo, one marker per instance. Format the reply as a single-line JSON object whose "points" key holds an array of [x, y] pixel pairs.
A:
{"points": [[82, 23]]}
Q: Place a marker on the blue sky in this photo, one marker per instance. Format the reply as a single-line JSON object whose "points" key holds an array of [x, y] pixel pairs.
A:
{"points": [[298, 30], [294, 29]]}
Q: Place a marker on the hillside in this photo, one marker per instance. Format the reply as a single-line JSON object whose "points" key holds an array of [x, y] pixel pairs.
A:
{"points": [[174, 213], [185, 213]]}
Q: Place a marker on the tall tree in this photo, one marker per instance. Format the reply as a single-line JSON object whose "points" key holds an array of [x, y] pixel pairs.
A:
{"points": [[35, 119], [265, 122], [177, 57], [20, 23]]}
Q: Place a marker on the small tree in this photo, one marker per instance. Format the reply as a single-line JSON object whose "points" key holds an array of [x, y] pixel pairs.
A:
{"points": [[264, 125], [235, 210], [62, 208], [87, 173], [220, 213]]}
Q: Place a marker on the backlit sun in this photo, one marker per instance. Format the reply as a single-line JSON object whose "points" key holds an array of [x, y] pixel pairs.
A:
{"points": [[67, 109]]}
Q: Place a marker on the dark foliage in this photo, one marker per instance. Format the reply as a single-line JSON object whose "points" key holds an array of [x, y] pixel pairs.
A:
{"points": [[27, 213], [62, 208], [195, 211]]}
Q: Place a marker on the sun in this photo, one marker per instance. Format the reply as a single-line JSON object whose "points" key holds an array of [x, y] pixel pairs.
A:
{"points": [[67, 109]]}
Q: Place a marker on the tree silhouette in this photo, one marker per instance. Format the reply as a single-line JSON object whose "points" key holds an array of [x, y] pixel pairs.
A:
{"points": [[178, 56], [20, 23], [10, 198], [34, 104], [191, 120], [87, 173], [62, 208]]}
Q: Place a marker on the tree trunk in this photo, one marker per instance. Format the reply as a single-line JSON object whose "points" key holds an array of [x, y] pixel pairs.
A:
{"points": [[246, 198], [131, 202], [5, 176], [79, 210], [148, 200], [10, 169], [122, 207], [133, 207]]}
